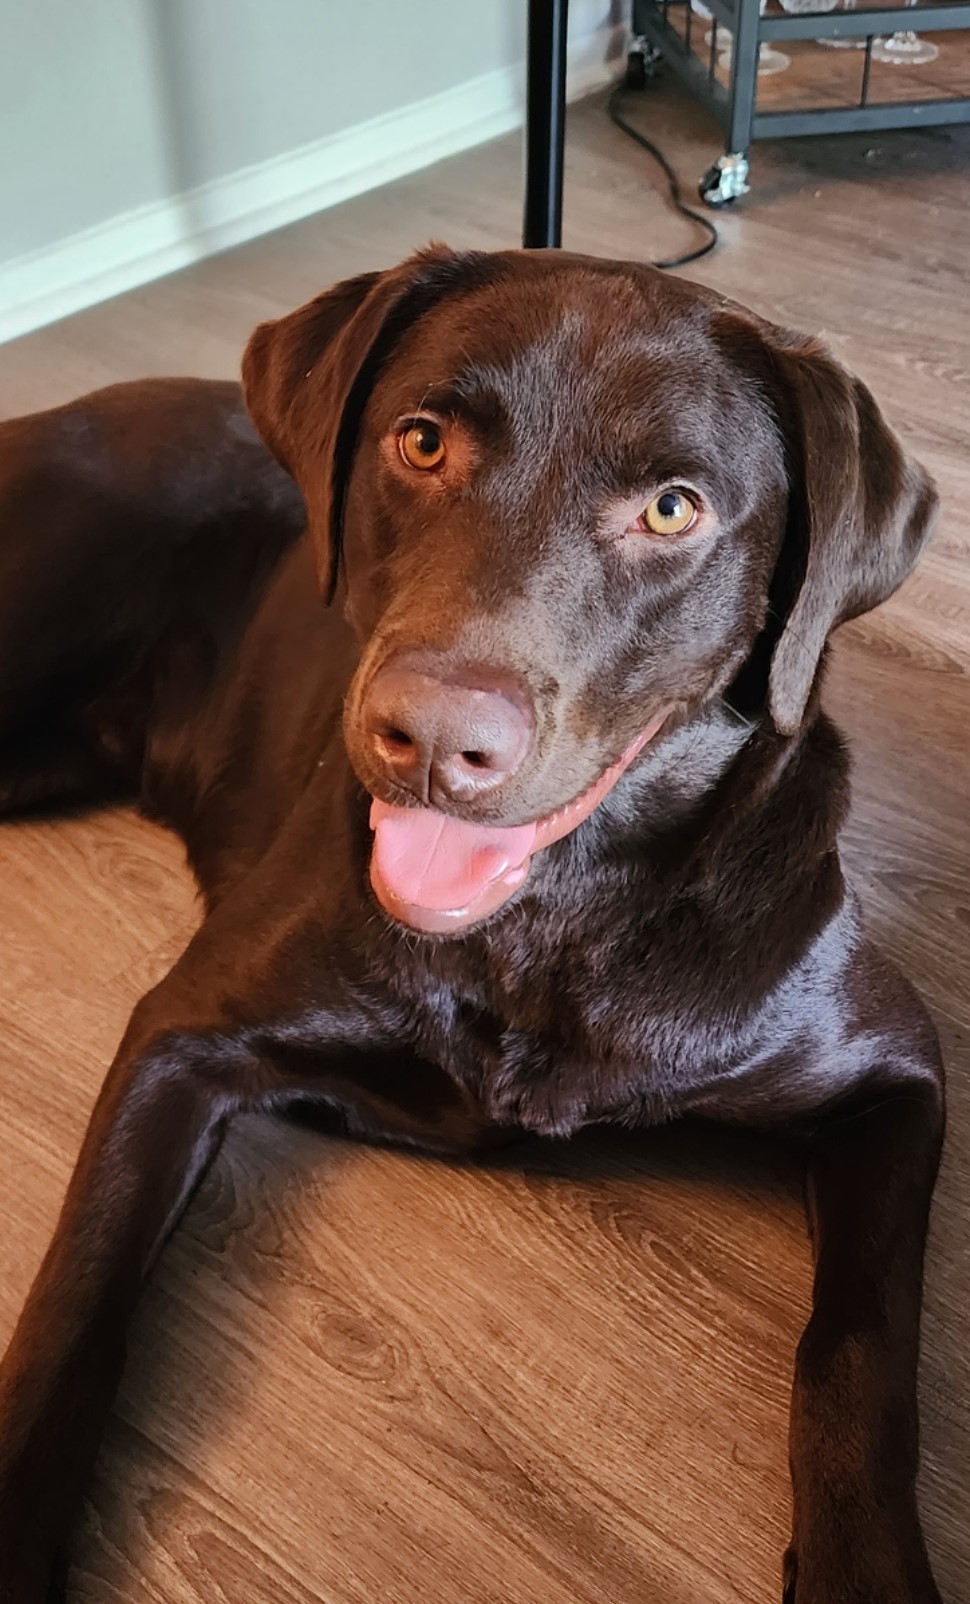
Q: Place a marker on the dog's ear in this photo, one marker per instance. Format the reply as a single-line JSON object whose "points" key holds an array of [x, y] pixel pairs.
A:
{"points": [[307, 377], [860, 509]]}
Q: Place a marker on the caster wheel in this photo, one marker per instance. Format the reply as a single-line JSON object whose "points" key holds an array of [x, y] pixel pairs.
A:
{"points": [[712, 191], [725, 181], [643, 64], [635, 76]]}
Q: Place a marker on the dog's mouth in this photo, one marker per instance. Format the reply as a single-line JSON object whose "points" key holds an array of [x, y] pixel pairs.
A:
{"points": [[439, 875]]}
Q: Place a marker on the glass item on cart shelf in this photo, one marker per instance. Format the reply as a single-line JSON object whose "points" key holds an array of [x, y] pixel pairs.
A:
{"points": [[905, 49], [770, 60], [796, 8], [856, 43], [704, 11]]}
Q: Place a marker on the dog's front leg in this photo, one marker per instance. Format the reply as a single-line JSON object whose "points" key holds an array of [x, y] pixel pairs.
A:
{"points": [[155, 1128], [854, 1433]]}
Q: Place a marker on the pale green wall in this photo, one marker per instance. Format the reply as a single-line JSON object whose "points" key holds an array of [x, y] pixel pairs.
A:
{"points": [[107, 105]]}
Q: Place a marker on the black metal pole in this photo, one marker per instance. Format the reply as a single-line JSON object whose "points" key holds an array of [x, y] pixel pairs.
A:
{"points": [[545, 123]]}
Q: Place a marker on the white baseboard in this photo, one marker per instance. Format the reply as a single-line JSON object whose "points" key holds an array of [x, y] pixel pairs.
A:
{"points": [[146, 243]]}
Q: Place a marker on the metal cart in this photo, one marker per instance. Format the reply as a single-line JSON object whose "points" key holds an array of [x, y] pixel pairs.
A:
{"points": [[670, 30]]}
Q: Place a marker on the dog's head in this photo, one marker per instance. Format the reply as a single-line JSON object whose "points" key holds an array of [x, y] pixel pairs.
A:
{"points": [[572, 499]]}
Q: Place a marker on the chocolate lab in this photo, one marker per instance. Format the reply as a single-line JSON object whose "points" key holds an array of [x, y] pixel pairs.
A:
{"points": [[535, 826]]}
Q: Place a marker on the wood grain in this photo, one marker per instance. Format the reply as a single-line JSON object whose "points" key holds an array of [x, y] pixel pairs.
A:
{"points": [[361, 1376]]}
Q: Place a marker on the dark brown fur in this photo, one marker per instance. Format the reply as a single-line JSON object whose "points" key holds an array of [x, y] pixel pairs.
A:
{"points": [[692, 947]]}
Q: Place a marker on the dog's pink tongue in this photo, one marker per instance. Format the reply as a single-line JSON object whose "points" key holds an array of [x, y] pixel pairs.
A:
{"points": [[440, 875], [431, 861]]}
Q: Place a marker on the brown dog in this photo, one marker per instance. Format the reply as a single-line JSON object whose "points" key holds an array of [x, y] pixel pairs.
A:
{"points": [[537, 828]]}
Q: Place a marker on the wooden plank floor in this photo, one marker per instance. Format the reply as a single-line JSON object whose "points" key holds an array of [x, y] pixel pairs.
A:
{"points": [[362, 1377]]}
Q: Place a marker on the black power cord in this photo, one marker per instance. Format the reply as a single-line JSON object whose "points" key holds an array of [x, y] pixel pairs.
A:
{"points": [[673, 182]]}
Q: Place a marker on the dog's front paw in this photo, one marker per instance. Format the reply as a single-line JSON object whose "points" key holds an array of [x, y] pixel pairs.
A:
{"points": [[869, 1574], [541, 1110], [29, 1575], [789, 1573], [545, 1095], [57, 1587]]}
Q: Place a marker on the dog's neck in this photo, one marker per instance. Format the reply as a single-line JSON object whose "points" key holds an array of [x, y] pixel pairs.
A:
{"points": [[672, 777]]}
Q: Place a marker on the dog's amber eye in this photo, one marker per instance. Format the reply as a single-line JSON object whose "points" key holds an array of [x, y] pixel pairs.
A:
{"points": [[421, 446], [671, 513]]}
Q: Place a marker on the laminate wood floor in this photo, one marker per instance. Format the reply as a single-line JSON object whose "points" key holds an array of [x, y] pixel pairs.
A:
{"points": [[360, 1376]]}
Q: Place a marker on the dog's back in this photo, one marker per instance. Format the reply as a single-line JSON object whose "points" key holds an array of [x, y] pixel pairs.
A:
{"points": [[140, 525]]}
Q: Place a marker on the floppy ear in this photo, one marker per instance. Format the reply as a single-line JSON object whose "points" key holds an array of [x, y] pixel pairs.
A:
{"points": [[307, 377], [860, 510]]}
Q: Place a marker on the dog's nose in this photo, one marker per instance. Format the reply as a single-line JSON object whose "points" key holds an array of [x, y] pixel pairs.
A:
{"points": [[446, 736]]}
